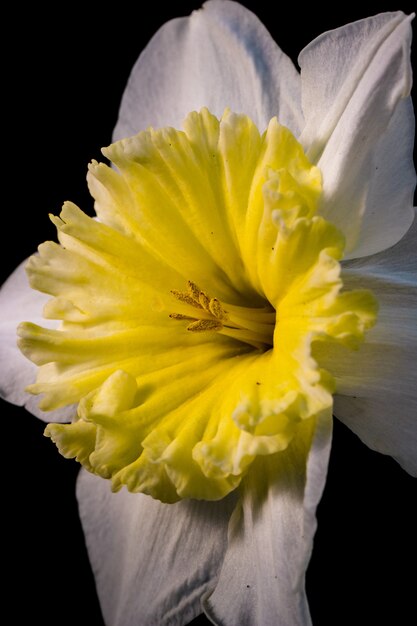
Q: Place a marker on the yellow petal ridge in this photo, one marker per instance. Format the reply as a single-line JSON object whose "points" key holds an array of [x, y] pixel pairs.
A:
{"points": [[190, 309]]}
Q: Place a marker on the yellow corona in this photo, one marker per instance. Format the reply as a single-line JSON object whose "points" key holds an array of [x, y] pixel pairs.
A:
{"points": [[189, 309]]}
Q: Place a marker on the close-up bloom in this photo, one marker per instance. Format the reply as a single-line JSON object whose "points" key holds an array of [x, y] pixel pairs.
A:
{"points": [[249, 273]]}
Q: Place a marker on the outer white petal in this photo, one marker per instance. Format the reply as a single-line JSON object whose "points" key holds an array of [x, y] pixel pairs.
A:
{"points": [[152, 562], [360, 131], [18, 303], [377, 386], [221, 56], [270, 539]]}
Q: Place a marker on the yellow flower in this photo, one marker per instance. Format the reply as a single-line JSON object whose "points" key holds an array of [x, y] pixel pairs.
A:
{"points": [[180, 388], [208, 324]]}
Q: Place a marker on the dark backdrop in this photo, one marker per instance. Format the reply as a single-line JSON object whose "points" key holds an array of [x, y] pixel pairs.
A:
{"points": [[65, 72]]}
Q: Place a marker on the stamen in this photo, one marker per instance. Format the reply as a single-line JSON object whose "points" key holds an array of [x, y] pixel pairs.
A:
{"points": [[217, 309], [204, 300], [241, 334], [180, 316], [203, 325], [183, 296], [254, 326], [193, 290]]}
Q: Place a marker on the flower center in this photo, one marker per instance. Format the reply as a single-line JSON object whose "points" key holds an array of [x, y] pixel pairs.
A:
{"points": [[254, 326]]}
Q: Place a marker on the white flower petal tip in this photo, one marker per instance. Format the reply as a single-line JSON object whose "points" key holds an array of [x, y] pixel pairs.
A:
{"points": [[152, 561], [221, 56], [359, 128], [19, 302], [271, 535]]}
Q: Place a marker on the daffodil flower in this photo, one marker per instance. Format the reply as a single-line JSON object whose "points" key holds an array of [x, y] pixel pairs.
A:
{"points": [[251, 272]]}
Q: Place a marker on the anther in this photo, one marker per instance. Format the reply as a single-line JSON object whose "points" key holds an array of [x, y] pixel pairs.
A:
{"points": [[193, 290], [204, 325], [216, 308], [204, 300], [183, 296], [180, 316]]}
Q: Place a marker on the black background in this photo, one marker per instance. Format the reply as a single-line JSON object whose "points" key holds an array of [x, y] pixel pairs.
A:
{"points": [[64, 75]]}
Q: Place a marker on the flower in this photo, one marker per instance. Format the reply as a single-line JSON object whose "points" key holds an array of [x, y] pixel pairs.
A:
{"points": [[357, 273]]}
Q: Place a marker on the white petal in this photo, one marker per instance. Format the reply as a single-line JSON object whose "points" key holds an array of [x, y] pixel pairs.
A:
{"points": [[377, 386], [270, 539], [152, 562], [221, 56], [18, 303], [360, 131]]}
